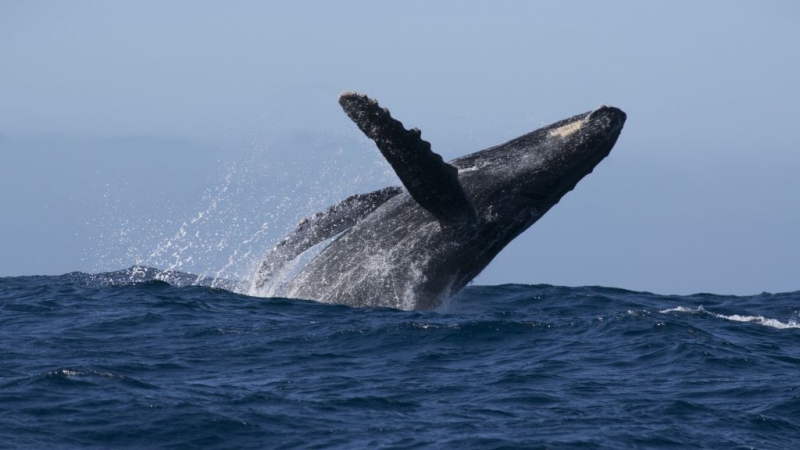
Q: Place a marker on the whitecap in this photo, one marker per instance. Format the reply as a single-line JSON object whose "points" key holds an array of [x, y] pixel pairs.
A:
{"points": [[760, 320]]}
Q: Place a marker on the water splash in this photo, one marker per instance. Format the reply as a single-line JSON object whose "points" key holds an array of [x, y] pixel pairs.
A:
{"points": [[257, 200]]}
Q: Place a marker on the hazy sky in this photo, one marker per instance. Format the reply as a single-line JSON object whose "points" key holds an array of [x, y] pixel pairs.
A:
{"points": [[121, 123]]}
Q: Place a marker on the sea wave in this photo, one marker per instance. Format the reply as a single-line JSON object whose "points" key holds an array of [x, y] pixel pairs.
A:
{"points": [[139, 360], [759, 320]]}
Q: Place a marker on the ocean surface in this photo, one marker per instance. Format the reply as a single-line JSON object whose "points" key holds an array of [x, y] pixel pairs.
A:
{"points": [[128, 360]]}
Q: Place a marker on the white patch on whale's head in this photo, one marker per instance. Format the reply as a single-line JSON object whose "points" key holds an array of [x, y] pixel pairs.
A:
{"points": [[568, 129]]}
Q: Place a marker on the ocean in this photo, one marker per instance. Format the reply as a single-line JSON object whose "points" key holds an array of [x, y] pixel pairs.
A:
{"points": [[134, 359]]}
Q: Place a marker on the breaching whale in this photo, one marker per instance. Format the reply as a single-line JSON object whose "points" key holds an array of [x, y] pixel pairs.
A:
{"points": [[415, 246]]}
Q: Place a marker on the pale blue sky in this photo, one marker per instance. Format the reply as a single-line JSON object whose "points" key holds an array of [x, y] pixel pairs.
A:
{"points": [[120, 121]]}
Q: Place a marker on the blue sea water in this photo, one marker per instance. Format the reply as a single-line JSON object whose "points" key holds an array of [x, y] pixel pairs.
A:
{"points": [[125, 360]]}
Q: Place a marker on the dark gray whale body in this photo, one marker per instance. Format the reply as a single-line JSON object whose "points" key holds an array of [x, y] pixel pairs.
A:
{"points": [[413, 247]]}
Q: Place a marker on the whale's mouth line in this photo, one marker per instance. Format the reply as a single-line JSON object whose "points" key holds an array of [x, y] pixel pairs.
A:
{"points": [[599, 151]]}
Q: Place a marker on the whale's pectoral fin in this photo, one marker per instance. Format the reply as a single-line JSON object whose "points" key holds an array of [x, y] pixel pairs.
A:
{"points": [[431, 182], [319, 227]]}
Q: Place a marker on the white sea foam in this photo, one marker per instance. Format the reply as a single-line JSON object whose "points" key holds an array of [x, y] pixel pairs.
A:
{"points": [[682, 309], [759, 320]]}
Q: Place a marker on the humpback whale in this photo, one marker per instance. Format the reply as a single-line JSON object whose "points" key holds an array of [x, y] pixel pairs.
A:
{"points": [[414, 246]]}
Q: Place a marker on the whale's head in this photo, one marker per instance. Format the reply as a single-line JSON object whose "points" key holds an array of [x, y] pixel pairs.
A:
{"points": [[525, 177]]}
